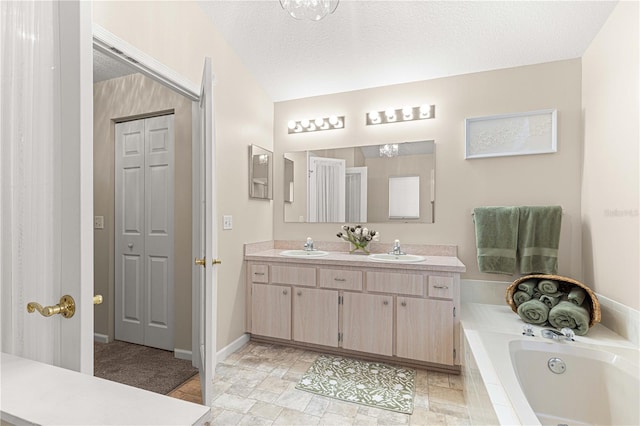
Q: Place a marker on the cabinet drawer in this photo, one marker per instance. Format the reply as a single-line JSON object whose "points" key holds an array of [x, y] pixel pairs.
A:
{"points": [[295, 275], [340, 279], [260, 273], [394, 282], [440, 286]]}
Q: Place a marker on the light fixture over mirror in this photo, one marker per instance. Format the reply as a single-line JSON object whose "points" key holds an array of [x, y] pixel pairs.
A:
{"points": [[395, 115], [353, 184], [313, 10]]}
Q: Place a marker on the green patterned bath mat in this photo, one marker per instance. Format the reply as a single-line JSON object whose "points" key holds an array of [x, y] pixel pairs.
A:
{"points": [[368, 383]]}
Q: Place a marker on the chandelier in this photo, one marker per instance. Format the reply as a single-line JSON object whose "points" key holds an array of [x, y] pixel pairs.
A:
{"points": [[313, 10]]}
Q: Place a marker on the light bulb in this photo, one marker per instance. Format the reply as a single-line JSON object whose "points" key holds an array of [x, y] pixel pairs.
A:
{"points": [[425, 111], [391, 114], [319, 122], [407, 113], [374, 116], [291, 124], [304, 123], [333, 120], [339, 123]]}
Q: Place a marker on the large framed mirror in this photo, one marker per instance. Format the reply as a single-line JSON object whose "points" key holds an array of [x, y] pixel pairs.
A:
{"points": [[260, 173], [392, 182]]}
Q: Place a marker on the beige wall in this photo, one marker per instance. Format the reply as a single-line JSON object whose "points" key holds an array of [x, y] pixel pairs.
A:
{"points": [[118, 99], [179, 35], [461, 184], [610, 91]]}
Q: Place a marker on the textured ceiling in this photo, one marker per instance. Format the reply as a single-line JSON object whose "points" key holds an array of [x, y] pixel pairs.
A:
{"points": [[376, 43], [105, 67]]}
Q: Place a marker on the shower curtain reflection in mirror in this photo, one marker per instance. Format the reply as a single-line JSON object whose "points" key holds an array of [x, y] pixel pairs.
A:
{"points": [[326, 189]]}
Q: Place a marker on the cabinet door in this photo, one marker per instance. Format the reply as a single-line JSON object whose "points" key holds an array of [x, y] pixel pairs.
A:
{"points": [[368, 323], [315, 316], [425, 330], [271, 311]]}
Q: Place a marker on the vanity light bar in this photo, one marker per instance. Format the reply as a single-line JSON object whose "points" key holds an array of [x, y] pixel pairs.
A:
{"points": [[398, 115], [327, 123]]}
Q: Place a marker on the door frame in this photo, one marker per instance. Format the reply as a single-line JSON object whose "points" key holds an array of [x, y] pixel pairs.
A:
{"points": [[119, 49]]}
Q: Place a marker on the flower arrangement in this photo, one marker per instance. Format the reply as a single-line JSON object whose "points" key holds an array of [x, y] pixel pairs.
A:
{"points": [[358, 236]]}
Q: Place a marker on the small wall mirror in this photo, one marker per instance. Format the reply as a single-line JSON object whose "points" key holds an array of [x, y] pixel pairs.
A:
{"points": [[260, 173], [377, 183]]}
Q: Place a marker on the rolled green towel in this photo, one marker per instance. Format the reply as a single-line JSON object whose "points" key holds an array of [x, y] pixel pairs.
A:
{"points": [[548, 286], [527, 286], [567, 314], [577, 296], [551, 300], [534, 311], [519, 297]]}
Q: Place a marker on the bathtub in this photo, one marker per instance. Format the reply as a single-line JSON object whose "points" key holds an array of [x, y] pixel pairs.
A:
{"points": [[508, 379]]}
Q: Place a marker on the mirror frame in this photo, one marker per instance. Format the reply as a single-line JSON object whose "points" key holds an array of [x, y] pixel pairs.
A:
{"points": [[257, 172]]}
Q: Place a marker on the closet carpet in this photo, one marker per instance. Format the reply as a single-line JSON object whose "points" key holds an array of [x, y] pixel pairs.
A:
{"points": [[152, 369]]}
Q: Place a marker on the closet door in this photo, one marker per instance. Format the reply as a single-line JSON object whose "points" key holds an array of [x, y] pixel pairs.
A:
{"points": [[144, 232], [129, 229]]}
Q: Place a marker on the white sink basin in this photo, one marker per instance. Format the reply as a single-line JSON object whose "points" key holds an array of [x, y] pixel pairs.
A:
{"points": [[395, 258], [303, 253]]}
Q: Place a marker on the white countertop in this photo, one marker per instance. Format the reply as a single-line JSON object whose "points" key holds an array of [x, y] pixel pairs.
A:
{"points": [[431, 263], [38, 393]]}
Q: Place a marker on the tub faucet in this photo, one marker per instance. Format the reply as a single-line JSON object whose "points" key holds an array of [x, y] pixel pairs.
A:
{"points": [[396, 248], [564, 334], [308, 246]]}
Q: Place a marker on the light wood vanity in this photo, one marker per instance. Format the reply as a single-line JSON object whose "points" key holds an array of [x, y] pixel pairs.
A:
{"points": [[405, 313]]}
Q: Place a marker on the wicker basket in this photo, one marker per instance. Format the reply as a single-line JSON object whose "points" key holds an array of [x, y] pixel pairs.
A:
{"points": [[565, 285]]}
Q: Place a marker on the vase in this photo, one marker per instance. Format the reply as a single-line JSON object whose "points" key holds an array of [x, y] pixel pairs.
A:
{"points": [[359, 247]]}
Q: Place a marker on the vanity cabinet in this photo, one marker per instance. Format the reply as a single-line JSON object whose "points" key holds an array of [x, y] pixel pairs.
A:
{"points": [[368, 323], [315, 316], [271, 311], [397, 313]]}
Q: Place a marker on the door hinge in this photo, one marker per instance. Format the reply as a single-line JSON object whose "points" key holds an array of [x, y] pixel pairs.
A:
{"points": [[454, 354], [339, 337], [454, 311], [340, 300]]}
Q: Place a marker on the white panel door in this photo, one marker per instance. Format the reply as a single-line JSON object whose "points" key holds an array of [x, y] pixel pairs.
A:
{"points": [[46, 180], [129, 228], [144, 231], [159, 236], [205, 243]]}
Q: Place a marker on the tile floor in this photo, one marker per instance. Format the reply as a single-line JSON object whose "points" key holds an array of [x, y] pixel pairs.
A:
{"points": [[256, 386]]}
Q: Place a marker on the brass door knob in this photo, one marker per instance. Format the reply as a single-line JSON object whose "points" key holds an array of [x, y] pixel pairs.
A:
{"points": [[202, 262], [66, 308], [216, 262], [97, 299]]}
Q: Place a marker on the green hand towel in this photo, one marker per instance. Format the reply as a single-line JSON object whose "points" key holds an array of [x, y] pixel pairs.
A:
{"points": [[527, 286], [519, 297], [534, 312], [550, 300], [567, 314], [548, 287], [496, 239], [539, 238], [577, 296]]}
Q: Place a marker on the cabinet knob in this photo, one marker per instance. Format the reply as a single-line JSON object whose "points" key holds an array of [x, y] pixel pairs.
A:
{"points": [[284, 292], [386, 302], [299, 293], [404, 303]]}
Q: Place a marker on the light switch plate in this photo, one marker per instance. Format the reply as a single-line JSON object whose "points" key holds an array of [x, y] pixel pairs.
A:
{"points": [[98, 222], [227, 222]]}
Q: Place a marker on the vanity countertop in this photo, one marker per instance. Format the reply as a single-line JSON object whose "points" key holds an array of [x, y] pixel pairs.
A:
{"points": [[446, 263]]}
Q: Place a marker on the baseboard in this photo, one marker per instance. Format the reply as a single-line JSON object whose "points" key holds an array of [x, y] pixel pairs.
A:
{"points": [[222, 353], [232, 347], [100, 338], [182, 354]]}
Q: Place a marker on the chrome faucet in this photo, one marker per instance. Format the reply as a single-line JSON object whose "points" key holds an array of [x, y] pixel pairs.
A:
{"points": [[564, 334], [396, 248], [308, 246]]}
